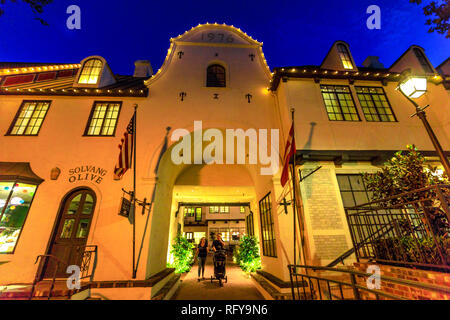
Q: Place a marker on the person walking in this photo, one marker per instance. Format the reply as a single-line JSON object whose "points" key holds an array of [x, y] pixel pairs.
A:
{"points": [[201, 253]]}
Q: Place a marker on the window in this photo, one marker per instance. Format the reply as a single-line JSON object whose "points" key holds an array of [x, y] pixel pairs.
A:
{"points": [[374, 104], [215, 76], [345, 56], [198, 236], [214, 209], [353, 190], [15, 202], [29, 118], [103, 119], [249, 224], [198, 214], [225, 234], [189, 236], [423, 61], [267, 227], [242, 209], [91, 71], [188, 211], [224, 209], [236, 233], [339, 103]]}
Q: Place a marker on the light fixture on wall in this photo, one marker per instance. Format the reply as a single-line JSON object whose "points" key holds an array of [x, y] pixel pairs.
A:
{"points": [[413, 87], [54, 173]]}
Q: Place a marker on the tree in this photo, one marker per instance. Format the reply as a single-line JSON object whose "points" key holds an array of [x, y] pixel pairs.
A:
{"points": [[247, 254], [183, 255], [406, 173], [402, 173], [439, 16], [36, 5], [415, 242]]}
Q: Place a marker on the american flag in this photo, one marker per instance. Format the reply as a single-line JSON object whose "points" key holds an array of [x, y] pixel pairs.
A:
{"points": [[126, 151], [288, 153]]}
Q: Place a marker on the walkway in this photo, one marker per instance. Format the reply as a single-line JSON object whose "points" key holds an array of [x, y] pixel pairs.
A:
{"points": [[239, 286]]}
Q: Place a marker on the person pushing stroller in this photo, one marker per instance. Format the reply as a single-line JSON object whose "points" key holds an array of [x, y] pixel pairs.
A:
{"points": [[218, 247]]}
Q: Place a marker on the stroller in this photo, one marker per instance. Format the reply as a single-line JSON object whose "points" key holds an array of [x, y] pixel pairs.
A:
{"points": [[220, 259]]}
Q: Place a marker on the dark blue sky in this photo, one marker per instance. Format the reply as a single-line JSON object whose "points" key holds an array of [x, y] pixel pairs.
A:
{"points": [[293, 32]]}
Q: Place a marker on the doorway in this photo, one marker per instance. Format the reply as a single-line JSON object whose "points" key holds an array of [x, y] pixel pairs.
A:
{"points": [[70, 233]]}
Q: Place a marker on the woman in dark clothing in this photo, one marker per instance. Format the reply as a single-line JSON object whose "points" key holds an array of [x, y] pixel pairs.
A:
{"points": [[202, 252]]}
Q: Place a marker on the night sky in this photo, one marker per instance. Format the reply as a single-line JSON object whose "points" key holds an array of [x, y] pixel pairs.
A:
{"points": [[294, 32]]}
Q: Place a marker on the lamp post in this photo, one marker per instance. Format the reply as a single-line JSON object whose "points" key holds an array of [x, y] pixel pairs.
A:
{"points": [[413, 87]]}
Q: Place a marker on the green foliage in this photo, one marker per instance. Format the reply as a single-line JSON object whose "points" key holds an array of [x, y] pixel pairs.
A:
{"points": [[402, 173], [183, 255], [36, 5], [247, 254], [438, 12], [413, 249], [414, 240]]}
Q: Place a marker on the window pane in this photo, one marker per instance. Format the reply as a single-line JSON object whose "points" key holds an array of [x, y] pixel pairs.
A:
{"points": [[103, 119], [73, 206], [353, 191], [339, 103], [66, 231], [83, 228], [91, 71], [14, 214], [376, 100], [345, 56], [30, 118], [88, 205], [215, 76], [267, 227]]}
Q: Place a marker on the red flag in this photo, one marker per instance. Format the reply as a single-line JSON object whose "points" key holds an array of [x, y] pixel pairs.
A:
{"points": [[126, 151], [288, 153]]}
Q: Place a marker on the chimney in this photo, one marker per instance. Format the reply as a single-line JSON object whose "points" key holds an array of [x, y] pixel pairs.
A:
{"points": [[373, 62], [142, 68]]}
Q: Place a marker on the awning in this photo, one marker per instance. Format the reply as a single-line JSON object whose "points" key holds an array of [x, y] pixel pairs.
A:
{"points": [[18, 171]]}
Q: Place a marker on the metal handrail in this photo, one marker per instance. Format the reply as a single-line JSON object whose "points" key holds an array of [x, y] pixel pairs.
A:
{"points": [[356, 247], [353, 283], [37, 277], [411, 217], [84, 268]]}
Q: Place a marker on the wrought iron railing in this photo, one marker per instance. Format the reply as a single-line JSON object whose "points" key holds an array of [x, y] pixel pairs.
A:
{"points": [[85, 254], [324, 283], [410, 229]]}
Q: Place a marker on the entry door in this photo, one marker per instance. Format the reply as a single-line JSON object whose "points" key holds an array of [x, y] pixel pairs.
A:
{"points": [[70, 236]]}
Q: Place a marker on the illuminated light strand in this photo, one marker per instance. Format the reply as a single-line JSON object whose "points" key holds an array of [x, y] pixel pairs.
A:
{"points": [[37, 69]]}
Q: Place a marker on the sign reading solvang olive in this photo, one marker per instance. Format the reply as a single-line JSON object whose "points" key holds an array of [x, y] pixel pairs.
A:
{"points": [[87, 173]]}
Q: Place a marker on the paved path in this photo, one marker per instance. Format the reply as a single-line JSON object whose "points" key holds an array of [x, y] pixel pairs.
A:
{"points": [[239, 286]]}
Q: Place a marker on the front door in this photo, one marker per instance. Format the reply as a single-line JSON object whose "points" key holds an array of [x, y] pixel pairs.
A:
{"points": [[70, 235]]}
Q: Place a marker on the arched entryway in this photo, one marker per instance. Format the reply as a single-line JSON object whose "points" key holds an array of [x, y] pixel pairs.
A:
{"points": [[71, 231]]}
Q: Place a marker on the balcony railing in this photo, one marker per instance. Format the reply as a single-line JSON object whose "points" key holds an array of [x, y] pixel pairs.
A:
{"points": [[410, 229]]}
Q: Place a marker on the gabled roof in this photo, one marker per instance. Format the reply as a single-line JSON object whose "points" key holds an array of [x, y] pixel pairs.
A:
{"points": [[190, 37]]}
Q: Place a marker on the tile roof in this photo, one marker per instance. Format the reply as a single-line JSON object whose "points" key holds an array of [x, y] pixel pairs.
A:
{"points": [[29, 78]]}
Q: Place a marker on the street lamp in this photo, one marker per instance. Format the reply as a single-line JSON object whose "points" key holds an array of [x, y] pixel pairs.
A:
{"points": [[413, 87]]}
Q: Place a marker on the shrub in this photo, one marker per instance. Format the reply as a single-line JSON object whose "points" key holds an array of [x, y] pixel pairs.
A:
{"points": [[183, 255], [247, 254]]}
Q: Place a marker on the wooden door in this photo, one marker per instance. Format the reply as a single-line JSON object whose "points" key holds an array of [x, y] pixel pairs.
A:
{"points": [[70, 235]]}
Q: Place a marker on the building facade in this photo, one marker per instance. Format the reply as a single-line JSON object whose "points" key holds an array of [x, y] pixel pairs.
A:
{"points": [[61, 125]]}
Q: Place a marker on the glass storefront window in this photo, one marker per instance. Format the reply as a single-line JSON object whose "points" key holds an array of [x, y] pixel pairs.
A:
{"points": [[15, 201]]}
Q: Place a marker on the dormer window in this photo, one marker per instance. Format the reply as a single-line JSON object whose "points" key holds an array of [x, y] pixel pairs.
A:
{"points": [[91, 71], [215, 76], [423, 61], [345, 56]]}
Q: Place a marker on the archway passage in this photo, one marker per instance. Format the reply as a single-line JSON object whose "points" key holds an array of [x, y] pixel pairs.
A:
{"points": [[212, 199], [71, 232]]}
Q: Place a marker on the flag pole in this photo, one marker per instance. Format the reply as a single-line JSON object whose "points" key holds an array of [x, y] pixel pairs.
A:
{"points": [[134, 190], [293, 191]]}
